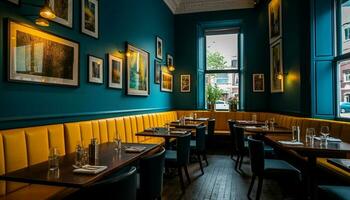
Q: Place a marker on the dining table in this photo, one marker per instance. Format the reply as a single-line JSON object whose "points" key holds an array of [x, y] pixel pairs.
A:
{"points": [[311, 151], [198, 119], [187, 124], [64, 176], [165, 133], [266, 130], [249, 123]]}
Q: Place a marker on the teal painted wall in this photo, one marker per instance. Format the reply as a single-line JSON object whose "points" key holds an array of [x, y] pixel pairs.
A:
{"points": [[135, 21], [255, 59], [256, 56]]}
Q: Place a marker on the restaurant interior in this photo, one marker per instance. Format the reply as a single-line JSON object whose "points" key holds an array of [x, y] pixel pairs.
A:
{"points": [[175, 99]]}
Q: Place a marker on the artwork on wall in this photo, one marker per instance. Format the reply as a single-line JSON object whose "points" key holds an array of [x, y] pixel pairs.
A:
{"points": [[157, 71], [276, 67], [89, 17], [95, 69], [275, 20], [159, 48], [258, 83], [115, 72], [64, 12], [186, 83], [166, 82], [137, 71], [170, 60], [14, 1], [39, 57]]}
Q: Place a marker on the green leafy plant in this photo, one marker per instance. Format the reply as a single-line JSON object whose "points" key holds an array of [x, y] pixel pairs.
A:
{"points": [[213, 94]]}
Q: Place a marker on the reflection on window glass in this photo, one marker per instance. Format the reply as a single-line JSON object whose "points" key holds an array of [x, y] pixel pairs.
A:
{"points": [[228, 83], [222, 51], [345, 26], [344, 88]]}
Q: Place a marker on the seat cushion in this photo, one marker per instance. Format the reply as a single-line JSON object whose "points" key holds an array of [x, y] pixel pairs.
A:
{"points": [[170, 155], [334, 192], [193, 144], [280, 167]]}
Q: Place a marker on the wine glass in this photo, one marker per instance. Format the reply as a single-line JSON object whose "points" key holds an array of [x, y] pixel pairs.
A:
{"points": [[310, 134], [325, 133]]}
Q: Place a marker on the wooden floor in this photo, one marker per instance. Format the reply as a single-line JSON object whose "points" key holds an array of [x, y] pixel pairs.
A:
{"points": [[221, 182]]}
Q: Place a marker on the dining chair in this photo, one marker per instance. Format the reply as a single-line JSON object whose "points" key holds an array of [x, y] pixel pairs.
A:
{"points": [[333, 192], [240, 145], [180, 158], [231, 124], [121, 186], [151, 170], [198, 146], [210, 133], [268, 168]]}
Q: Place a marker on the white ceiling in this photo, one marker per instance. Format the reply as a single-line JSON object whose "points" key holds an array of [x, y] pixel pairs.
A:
{"points": [[193, 6]]}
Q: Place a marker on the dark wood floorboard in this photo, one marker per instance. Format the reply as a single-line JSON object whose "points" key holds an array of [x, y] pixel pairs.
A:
{"points": [[220, 182]]}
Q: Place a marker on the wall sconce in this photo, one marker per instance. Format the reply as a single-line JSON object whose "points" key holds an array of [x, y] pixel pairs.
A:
{"points": [[280, 76], [42, 22], [45, 13], [171, 68]]}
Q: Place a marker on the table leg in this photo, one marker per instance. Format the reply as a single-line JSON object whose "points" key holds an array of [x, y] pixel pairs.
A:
{"points": [[167, 143]]}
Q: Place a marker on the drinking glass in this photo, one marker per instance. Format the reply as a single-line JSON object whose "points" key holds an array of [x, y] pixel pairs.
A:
{"points": [[53, 160], [309, 135], [267, 124], [118, 143], [295, 133], [254, 118]]}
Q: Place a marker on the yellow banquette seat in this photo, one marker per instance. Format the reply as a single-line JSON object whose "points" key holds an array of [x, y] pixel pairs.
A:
{"points": [[20, 148]]}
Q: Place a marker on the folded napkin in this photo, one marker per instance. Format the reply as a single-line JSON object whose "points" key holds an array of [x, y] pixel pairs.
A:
{"points": [[178, 132], [89, 169], [134, 149], [291, 143], [330, 139], [251, 127]]}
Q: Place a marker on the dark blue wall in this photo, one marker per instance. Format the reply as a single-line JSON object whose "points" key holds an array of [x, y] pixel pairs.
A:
{"points": [[135, 21], [255, 47]]}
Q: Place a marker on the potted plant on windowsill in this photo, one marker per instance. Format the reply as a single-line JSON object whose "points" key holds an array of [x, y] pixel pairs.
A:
{"points": [[233, 102], [213, 94]]}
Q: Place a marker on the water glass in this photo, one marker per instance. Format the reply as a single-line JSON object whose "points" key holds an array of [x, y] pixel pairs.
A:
{"points": [[53, 160], [309, 135], [267, 124], [118, 143], [254, 118], [296, 133]]}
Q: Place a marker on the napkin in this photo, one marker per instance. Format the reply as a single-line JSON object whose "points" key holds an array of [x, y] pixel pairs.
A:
{"points": [[134, 149], [291, 143], [178, 132], [330, 139], [90, 169], [251, 127]]}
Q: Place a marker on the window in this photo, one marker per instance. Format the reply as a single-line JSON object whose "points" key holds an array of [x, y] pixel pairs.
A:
{"points": [[222, 64], [345, 26]]}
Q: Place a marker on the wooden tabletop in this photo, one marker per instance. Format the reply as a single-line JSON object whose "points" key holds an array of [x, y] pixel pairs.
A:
{"points": [[174, 133], [199, 119], [249, 123], [262, 130], [333, 149], [108, 156], [187, 125]]}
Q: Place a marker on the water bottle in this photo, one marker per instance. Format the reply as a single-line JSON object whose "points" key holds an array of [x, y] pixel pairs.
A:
{"points": [[93, 151]]}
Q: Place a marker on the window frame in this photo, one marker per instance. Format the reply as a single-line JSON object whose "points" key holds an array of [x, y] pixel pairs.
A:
{"points": [[231, 30]]}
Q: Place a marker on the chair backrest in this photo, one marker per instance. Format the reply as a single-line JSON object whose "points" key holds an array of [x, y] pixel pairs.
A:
{"points": [[211, 127], [239, 139], [256, 154], [183, 149], [200, 138], [231, 124], [123, 186], [151, 175]]}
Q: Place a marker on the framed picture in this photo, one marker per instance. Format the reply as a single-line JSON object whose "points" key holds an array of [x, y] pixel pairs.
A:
{"points": [[166, 82], [275, 20], [137, 74], [157, 71], [258, 83], [95, 69], [276, 67], [39, 57], [64, 12], [186, 83], [115, 72], [170, 60], [14, 1], [159, 48], [89, 17]]}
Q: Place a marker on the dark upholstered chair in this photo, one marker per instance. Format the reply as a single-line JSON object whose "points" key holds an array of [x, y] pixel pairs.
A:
{"points": [[151, 176], [261, 167], [231, 124], [240, 146], [180, 158], [198, 146], [123, 186], [334, 192]]}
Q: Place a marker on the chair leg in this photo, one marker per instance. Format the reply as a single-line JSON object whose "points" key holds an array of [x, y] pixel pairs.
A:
{"points": [[237, 161], [240, 163], [200, 162], [187, 174], [181, 179], [205, 158], [260, 184], [251, 185]]}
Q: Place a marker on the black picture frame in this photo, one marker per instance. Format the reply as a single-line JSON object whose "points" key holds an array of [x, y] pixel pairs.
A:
{"points": [[89, 56], [157, 73], [159, 56], [82, 20]]}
